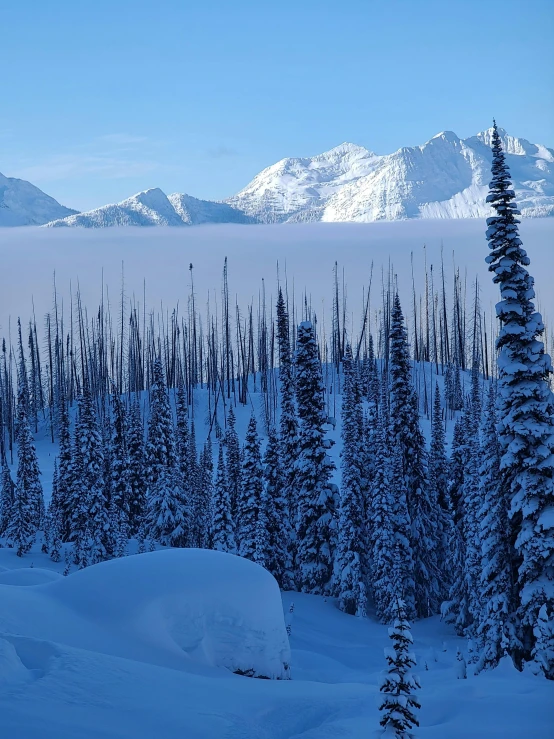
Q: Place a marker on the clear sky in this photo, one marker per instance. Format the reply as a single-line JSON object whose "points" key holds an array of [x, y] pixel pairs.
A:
{"points": [[99, 100]]}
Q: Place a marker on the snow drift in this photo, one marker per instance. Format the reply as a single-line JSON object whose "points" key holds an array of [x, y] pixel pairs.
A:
{"points": [[172, 607]]}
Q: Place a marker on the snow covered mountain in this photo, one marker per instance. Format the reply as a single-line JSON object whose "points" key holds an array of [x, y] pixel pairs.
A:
{"points": [[155, 208], [445, 178], [23, 204]]}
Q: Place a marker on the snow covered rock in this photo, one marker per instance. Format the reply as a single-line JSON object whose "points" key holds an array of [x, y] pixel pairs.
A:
{"points": [[23, 204], [215, 608]]}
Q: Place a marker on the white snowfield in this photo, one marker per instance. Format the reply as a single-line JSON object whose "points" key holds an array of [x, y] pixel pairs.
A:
{"points": [[173, 608], [100, 654], [447, 177]]}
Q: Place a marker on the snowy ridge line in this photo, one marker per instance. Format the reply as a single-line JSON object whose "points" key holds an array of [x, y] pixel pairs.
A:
{"points": [[445, 178]]}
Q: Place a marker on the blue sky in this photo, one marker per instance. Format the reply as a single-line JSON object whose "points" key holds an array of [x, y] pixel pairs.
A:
{"points": [[102, 99]]}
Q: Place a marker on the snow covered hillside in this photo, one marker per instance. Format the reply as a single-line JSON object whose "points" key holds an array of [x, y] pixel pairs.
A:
{"points": [[86, 669], [154, 208], [447, 177], [23, 204]]}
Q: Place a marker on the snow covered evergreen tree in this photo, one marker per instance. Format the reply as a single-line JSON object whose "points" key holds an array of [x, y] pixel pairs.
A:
{"points": [[137, 471], [456, 469], [223, 536], [234, 467], [27, 513], [494, 616], [400, 702], [6, 497], [385, 588], [463, 604], [90, 524], [65, 468], [316, 532], [54, 520], [204, 498], [164, 521], [525, 412], [160, 449], [249, 503], [277, 521], [288, 428], [438, 460], [21, 531], [351, 540], [543, 647], [120, 469], [427, 524]]}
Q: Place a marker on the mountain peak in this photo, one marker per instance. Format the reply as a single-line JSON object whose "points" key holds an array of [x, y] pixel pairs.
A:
{"points": [[346, 149]]}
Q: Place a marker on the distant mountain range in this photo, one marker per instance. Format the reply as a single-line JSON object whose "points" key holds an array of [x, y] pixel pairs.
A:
{"points": [[445, 178]]}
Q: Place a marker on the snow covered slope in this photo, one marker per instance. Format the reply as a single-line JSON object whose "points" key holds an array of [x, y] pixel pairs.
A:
{"points": [[193, 211], [154, 208], [63, 674], [23, 204], [148, 208], [445, 178]]}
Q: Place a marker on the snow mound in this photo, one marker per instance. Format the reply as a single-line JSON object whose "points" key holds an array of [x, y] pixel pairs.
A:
{"points": [[27, 576], [212, 608]]}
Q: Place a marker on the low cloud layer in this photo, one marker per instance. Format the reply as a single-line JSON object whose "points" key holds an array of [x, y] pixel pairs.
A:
{"points": [[304, 255]]}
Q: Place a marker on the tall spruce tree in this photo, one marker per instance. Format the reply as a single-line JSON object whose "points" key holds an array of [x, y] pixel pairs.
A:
{"points": [[288, 424], [249, 504], [525, 412], [234, 468], [351, 540], [223, 535], [26, 511], [120, 469], [204, 498], [160, 448], [93, 537], [6, 497], [386, 589], [137, 468], [65, 468], [456, 469], [54, 519], [316, 529], [277, 520], [494, 617], [427, 526], [438, 460]]}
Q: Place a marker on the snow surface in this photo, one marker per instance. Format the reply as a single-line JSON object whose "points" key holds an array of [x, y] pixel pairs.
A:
{"points": [[23, 204], [170, 608], [447, 177], [75, 661]]}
